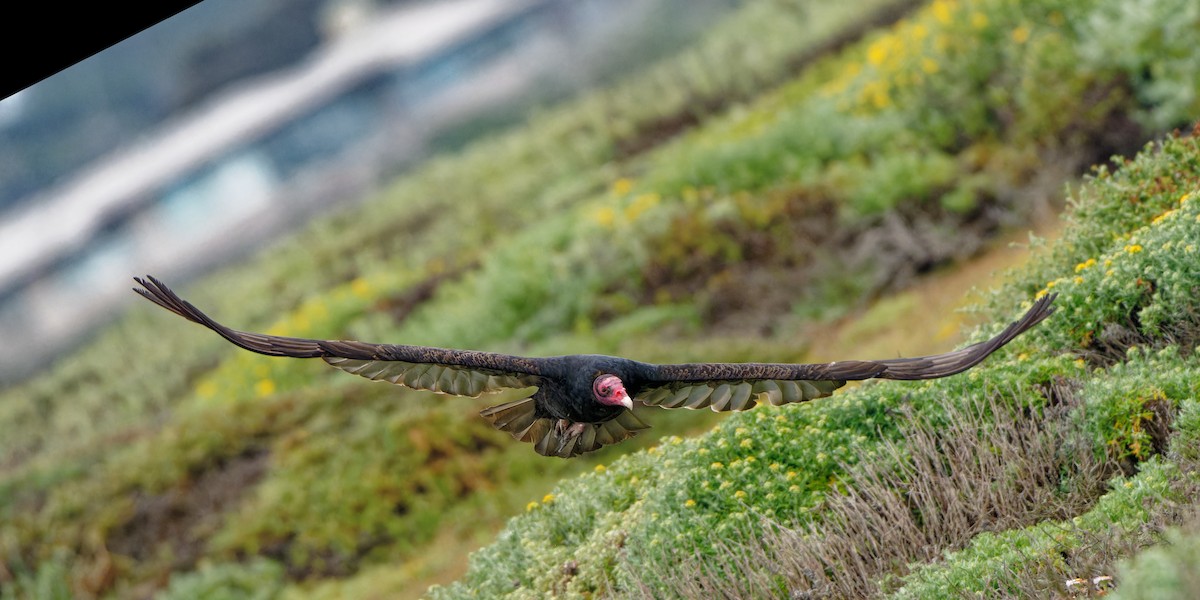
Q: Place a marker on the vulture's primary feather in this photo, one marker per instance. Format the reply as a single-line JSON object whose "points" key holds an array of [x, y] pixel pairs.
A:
{"points": [[581, 402]]}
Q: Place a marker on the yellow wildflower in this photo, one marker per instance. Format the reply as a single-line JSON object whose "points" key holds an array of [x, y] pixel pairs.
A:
{"points": [[1133, 248], [878, 52], [943, 11], [746, 443], [690, 503], [548, 499], [1160, 218], [1020, 35], [315, 309], [300, 321], [1184, 198], [641, 204], [739, 494], [717, 465], [531, 506], [264, 387], [600, 468], [622, 186], [1087, 264], [359, 287], [207, 389], [604, 216]]}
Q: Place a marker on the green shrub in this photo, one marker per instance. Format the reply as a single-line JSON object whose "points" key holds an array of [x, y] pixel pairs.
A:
{"points": [[1152, 44], [255, 580], [1168, 571]]}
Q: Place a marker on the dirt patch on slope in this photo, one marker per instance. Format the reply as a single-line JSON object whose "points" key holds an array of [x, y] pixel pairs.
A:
{"points": [[178, 522]]}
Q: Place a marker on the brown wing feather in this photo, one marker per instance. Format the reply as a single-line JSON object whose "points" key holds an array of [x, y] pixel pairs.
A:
{"points": [[723, 395], [739, 386], [458, 372], [520, 419]]}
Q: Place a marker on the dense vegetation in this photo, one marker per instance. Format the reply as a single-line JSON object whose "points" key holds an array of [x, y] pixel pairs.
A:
{"points": [[780, 174], [1043, 465]]}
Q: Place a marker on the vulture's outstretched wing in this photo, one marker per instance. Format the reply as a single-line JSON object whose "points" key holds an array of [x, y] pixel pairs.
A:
{"points": [[739, 386], [457, 372]]}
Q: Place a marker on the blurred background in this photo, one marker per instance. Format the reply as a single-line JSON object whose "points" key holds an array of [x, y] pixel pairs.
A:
{"points": [[199, 140], [667, 180]]}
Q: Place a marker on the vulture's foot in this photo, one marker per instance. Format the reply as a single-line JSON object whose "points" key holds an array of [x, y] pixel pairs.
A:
{"points": [[568, 432]]}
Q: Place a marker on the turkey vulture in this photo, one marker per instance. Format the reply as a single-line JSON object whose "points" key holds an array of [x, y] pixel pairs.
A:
{"points": [[585, 401]]}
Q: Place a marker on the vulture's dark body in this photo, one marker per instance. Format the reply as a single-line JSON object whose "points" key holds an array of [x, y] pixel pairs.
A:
{"points": [[565, 391], [562, 415]]}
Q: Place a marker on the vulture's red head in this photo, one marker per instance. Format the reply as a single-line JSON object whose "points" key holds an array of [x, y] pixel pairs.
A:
{"points": [[609, 390]]}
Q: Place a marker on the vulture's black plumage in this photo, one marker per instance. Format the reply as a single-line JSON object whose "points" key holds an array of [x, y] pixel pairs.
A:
{"points": [[583, 401]]}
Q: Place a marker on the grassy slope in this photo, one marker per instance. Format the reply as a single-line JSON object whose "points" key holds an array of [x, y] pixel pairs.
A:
{"points": [[103, 440], [1125, 268], [256, 473]]}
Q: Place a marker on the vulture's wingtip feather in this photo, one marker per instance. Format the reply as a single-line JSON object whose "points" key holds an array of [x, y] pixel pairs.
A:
{"points": [[157, 292], [951, 363]]}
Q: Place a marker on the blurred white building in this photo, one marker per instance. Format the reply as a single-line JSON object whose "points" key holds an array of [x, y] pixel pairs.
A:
{"points": [[266, 156]]}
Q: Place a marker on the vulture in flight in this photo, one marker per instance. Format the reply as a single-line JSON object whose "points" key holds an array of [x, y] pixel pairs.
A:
{"points": [[585, 401]]}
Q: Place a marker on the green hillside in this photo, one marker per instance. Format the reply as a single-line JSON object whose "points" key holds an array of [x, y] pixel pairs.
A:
{"points": [[802, 161], [1051, 462]]}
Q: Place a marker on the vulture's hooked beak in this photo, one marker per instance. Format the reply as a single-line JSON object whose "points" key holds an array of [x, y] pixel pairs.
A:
{"points": [[626, 401]]}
